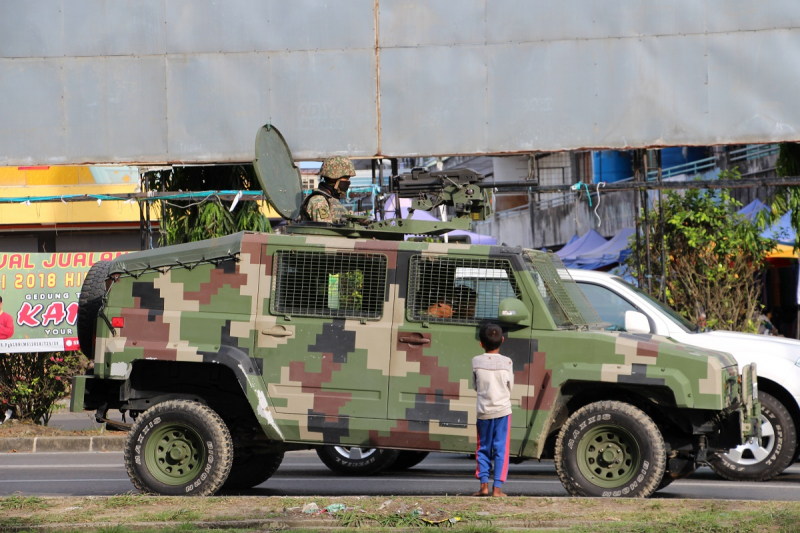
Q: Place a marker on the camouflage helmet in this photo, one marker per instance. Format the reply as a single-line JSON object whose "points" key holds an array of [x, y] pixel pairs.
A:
{"points": [[337, 167]]}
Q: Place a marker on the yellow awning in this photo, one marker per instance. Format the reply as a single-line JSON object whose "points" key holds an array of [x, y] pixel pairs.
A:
{"points": [[783, 251]]}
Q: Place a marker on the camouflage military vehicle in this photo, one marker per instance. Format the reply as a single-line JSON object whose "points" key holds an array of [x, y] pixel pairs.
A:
{"points": [[229, 352]]}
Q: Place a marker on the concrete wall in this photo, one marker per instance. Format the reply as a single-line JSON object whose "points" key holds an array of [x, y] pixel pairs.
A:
{"points": [[554, 226]]}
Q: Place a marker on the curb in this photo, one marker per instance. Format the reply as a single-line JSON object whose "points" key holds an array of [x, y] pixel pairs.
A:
{"points": [[62, 444]]}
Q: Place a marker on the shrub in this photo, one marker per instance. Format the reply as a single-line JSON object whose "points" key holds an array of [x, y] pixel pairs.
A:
{"points": [[713, 258], [32, 383]]}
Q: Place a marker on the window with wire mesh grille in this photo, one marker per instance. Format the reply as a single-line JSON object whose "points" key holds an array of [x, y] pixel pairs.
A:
{"points": [[339, 285], [458, 291], [564, 299]]}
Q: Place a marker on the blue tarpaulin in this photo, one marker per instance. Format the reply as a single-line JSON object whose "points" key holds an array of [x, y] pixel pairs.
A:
{"points": [[583, 244], [614, 251], [781, 231], [751, 210]]}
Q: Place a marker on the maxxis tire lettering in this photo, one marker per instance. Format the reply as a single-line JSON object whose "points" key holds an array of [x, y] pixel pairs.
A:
{"points": [[201, 420], [632, 420]]}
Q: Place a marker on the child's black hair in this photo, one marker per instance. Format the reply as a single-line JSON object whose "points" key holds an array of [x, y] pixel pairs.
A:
{"points": [[491, 336]]}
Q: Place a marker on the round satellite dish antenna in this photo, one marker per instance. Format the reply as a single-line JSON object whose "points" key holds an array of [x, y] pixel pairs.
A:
{"points": [[278, 175]]}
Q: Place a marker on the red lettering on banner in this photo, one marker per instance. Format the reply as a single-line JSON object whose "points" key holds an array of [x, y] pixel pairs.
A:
{"points": [[50, 263], [72, 313], [3, 260], [27, 315], [27, 261], [82, 260], [55, 314], [64, 260], [107, 256]]}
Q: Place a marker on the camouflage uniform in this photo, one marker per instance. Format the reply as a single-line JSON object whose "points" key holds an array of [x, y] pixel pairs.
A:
{"points": [[322, 206]]}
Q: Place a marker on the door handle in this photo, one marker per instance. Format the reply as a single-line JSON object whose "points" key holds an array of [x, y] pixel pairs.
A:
{"points": [[277, 331], [415, 340]]}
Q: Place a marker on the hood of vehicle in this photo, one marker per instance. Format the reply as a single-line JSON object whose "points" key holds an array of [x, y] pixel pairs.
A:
{"points": [[656, 344], [748, 343]]}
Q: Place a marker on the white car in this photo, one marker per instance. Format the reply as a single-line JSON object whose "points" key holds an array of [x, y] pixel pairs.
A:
{"points": [[627, 308]]}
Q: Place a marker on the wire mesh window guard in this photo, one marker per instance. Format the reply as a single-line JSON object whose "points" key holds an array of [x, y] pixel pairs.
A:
{"points": [[564, 299], [340, 285], [458, 291]]}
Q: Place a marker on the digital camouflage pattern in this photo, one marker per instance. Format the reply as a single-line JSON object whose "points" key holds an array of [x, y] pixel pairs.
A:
{"points": [[385, 382], [322, 207], [337, 167]]}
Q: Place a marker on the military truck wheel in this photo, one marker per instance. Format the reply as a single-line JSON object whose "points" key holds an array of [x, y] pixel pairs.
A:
{"points": [[250, 470], [406, 460], [178, 448], [354, 461], [751, 462], [610, 449], [89, 301]]}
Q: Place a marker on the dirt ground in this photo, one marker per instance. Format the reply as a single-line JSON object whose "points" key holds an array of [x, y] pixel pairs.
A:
{"points": [[248, 513], [15, 428]]}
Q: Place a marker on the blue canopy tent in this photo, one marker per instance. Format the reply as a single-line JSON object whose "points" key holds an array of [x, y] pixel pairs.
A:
{"points": [[751, 210], [614, 251], [782, 231], [584, 244]]}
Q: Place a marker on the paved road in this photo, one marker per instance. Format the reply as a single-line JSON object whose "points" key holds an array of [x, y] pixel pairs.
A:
{"points": [[302, 474]]}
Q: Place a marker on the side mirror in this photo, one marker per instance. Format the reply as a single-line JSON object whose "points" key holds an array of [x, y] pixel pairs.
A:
{"points": [[512, 311], [636, 322]]}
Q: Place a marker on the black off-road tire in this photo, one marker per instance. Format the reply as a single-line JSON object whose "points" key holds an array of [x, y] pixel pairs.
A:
{"points": [[377, 461], [780, 446], [89, 302], [610, 449], [179, 448], [408, 459], [251, 470]]}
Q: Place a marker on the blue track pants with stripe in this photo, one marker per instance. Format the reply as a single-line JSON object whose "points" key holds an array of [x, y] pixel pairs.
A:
{"points": [[493, 444]]}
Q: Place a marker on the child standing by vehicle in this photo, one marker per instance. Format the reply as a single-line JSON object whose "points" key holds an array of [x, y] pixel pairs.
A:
{"points": [[493, 379]]}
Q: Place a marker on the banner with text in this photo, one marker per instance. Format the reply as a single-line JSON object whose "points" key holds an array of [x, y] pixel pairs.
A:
{"points": [[40, 295]]}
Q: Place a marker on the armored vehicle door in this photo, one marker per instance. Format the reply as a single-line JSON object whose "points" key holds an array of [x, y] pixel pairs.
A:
{"points": [[324, 330], [443, 300]]}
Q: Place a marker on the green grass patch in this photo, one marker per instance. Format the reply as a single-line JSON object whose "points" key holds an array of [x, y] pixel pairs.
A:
{"points": [[19, 502]]}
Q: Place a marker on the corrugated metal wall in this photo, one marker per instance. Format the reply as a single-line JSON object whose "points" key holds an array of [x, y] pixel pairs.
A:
{"points": [[153, 81]]}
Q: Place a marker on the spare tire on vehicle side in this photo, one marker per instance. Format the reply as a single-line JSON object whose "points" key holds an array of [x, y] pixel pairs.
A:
{"points": [[90, 301]]}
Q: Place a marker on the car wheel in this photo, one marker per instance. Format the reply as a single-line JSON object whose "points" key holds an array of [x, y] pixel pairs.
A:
{"points": [[355, 461], [250, 470], [406, 460], [90, 300], [751, 462], [178, 448], [610, 449]]}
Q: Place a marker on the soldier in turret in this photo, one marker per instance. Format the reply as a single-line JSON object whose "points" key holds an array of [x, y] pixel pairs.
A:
{"points": [[323, 204]]}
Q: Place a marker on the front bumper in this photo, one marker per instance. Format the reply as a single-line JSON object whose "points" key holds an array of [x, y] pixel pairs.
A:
{"points": [[750, 411]]}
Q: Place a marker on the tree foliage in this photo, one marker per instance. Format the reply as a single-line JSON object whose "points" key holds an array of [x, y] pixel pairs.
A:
{"points": [[32, 383], [187, 221], [786, 199], [713, 258]]}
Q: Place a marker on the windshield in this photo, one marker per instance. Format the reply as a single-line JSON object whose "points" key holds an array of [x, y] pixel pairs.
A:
{"points": [[562, 296], [684, 324]]}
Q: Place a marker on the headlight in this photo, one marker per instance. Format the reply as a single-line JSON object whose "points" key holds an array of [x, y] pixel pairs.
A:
{"points": [[797, 363]]}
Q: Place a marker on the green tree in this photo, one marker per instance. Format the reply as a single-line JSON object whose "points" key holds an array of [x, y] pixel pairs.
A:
{"points": [[195, 220], [786, 199], [713, 257]]}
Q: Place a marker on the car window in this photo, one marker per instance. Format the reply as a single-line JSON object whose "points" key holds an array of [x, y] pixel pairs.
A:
{"points": [[458, 290], [341, 284], [609, 305]]}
